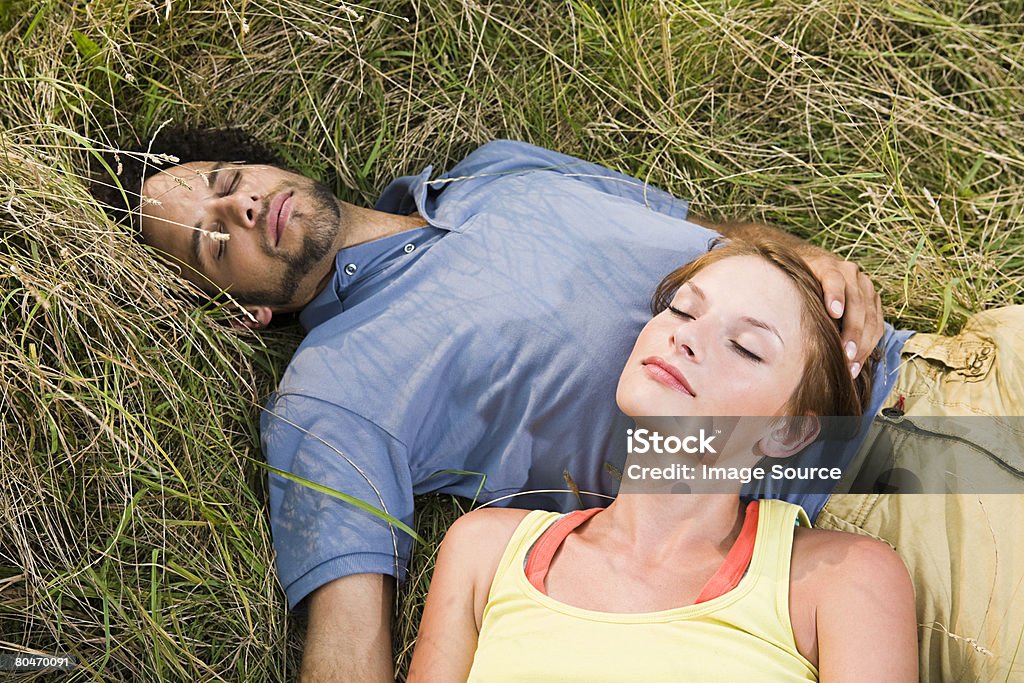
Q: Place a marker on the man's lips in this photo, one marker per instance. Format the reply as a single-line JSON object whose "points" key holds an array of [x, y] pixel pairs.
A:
{"points": [[277, 216], [659, 370]]}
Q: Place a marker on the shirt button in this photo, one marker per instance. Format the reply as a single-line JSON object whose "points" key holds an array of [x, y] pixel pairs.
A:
{"points": [[351, 269], [409, 248]]}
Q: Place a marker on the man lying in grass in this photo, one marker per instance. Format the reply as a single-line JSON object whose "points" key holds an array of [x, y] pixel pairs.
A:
{"points": [[463, 337]]}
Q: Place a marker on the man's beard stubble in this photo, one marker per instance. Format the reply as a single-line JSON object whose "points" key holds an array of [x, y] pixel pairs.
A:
{"points": [[325, 221]]}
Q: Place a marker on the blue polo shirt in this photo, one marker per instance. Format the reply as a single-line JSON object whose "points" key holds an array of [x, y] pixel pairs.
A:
{"points": [[477, 355]]}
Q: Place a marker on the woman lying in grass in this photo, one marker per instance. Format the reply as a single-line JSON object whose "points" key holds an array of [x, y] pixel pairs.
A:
{"points": [[688, 587]]}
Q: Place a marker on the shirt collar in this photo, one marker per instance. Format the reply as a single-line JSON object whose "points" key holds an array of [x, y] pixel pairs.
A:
{"points": [[357, 266]]}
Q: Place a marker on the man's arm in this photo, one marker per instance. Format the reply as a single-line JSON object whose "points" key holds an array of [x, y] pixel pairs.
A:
{"points": [[505, 157], [849, 293], [335, 557], [349, 633]]}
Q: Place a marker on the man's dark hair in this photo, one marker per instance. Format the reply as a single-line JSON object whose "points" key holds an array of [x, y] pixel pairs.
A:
{"points": [[187, 144]]}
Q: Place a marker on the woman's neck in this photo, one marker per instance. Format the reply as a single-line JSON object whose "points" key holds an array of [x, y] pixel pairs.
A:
{"points": [[660, 525]]}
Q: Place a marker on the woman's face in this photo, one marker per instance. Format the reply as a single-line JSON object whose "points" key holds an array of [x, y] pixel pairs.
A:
{"points": [[730, 344]]}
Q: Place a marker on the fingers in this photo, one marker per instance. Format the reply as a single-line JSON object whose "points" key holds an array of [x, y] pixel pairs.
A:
{"points": [[850, 295], [833, 284], [862, 319], [874, 322], [854, 317]]}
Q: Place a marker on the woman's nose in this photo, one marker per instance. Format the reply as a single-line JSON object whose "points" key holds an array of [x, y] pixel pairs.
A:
{"points": [[686, 339]]}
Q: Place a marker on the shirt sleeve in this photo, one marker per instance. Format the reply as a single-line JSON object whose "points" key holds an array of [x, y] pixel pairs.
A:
{"points": [[317, 537], [505, 157]]}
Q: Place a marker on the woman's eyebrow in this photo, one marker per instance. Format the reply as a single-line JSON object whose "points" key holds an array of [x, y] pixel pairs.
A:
{"points": [[764, 326], [747, 319], [696, 290]]}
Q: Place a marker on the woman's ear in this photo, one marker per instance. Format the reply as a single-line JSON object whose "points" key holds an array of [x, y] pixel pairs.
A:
{"points": [[253, 318], [790, 435]]}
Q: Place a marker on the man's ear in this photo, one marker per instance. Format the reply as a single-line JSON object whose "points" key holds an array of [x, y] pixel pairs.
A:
{"points": [[789, 435], [253, 318]]}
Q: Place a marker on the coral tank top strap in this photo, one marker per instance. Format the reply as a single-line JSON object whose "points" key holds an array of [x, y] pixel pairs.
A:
{"points": [[725, 579], [543, 551]]}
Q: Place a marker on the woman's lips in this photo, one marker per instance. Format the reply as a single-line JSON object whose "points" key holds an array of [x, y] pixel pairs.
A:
{"points": [[667, 374], [278, 213]]}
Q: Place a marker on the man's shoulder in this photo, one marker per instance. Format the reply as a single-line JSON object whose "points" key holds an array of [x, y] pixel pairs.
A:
{"points": [[504, 157], [502, 147], [507, 146]]}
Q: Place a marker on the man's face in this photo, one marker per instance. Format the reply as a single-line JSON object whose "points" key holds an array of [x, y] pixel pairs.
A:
{"points": [[282, 227]]}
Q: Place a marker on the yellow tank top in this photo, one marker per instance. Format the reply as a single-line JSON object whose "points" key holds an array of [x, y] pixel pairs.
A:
{"points": [[743, 635]]}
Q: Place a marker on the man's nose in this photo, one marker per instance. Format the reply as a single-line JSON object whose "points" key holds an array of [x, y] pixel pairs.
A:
{"points": [[242, 209]]}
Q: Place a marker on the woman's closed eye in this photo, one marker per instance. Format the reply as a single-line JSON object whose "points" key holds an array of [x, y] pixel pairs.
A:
{"points": [[746, 353], [741, 350], [680, 313]]}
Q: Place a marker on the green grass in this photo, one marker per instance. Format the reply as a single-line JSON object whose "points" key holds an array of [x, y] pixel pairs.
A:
{"points": [[133, 527]]}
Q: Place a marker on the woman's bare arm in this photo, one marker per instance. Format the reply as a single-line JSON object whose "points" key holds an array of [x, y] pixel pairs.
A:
{"points": [[861, 609], [466, 565]]}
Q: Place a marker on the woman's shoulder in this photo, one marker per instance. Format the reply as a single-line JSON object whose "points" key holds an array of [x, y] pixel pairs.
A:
{"points": [[484, 528], [478, 539], [473, 547], [828, 556], [830, 566], [839, 581]]}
